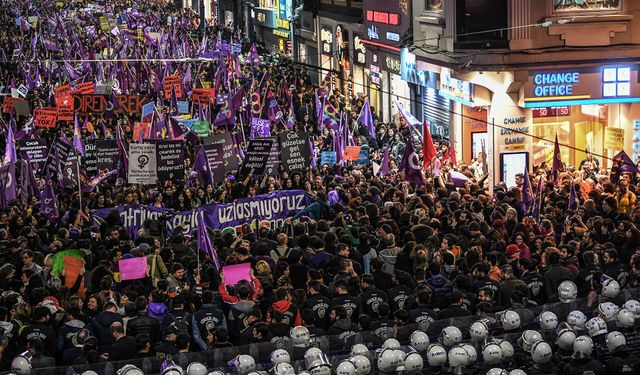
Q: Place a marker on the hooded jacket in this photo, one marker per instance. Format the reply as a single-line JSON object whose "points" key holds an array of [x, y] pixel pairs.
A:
{"points": [[100, 327], [289, 310], [158, 311]]}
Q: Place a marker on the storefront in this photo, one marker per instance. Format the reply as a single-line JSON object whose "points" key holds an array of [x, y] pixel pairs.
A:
{"points": [[388, 24], [592, 109], [306, 42], [272, 27]]}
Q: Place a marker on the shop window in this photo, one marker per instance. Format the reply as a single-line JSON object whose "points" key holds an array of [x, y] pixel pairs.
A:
{"points": [[585, 5], [433, 5], [481, 24]]}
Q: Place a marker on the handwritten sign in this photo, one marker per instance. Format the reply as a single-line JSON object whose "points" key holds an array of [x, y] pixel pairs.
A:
{"points": [[203, 96], [9, 104], [235, 273], [351, 153], [84, 88], [183, 107], [46, 117], [329, 158], [133, 268], [141, 129], [614, 138], [65, 109], [172, 83]]}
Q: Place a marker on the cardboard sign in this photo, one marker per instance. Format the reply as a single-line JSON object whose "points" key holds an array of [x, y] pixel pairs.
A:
{"points": [[133, 268], [141, 129], [351, 153], [614, 138], [172, 83], [23, 91], [72, 268], [295, 151], [142, 164], [65, 109], [62, 92], [34, 150], [215, 158], [183, 107], [257, 156], [363, 158], [229, 149], [235, 273], [201, 128], [84, 88], [203, 96], [9, 104], [147, 109], [170, 159], [46, 117]]}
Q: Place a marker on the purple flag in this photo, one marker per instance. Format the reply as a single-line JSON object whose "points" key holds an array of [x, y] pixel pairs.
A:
{"points": [[253, 57], [291, 118], [625, 164], [384, 168], [77, 140], [527, 193], [557, 161], [236, 99], [28, 187], [204, 240], [260, 128], [226, 114], [27, 131], [201, 168], [10, 148], [273, 108], [366, 118], [411, 166], [573, 198], [48, 203], [458, 178], [8, 191]]}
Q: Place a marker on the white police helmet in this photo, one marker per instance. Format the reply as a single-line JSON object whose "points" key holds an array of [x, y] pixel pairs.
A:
{"points": [[129, 370], [413, 363], [436, 355], [608, 311], [283, 369], [362, 364], [517, 371], [541, 352], [244, 364], [170, 368], [566, 337], [216, 372], [419, 341], [359, 349], [615, 340], [567, 291], [89, 372], [548, 320], [458, 356], [388, 360], [510, 320], [625, 319], [280, 356], [450, 336], [610, 288], [497, 371], [401, 356], [596, 326], [196, 368], [633, 306], [391, 344], [312, 354], [507, 350], [576, 319], [321, 370], [21, 364], [528, 338], [492, 353], [479, 330], [300, 335], [582, 347], [346, 368], [304, 373], [472, 353]]}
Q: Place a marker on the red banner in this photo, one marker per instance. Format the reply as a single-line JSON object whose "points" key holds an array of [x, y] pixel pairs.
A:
{"points": [[172, 82], [203, 96], [61, 92], [351, 153], [46, 117], [65, 108], [141, 129], [8, 105], [130, 104], [85, 88]]}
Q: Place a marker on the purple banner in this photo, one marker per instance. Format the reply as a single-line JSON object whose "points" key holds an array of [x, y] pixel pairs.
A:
{"points": [[273, 208]]}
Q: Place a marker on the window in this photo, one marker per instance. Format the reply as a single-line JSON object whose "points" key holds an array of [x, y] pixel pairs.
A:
{"points": [[433, 5], [481, 24], [616, 81], [586, 5]]}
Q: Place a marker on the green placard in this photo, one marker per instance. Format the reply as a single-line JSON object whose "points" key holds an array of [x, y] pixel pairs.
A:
{"points": [[201, 128]]}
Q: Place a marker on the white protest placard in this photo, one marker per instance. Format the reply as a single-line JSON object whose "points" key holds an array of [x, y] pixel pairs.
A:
{"points": [[23, 91], [142, 164]]}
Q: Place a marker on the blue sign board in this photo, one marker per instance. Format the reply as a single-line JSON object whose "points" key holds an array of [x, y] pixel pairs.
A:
{"points": [[329, 158], [363, 158]]}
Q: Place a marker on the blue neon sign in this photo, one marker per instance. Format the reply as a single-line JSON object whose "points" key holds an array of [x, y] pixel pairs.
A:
{"points": [[555, 84]]}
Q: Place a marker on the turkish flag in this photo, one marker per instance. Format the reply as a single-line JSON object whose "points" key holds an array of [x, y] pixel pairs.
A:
{"points": [[428, 149]]}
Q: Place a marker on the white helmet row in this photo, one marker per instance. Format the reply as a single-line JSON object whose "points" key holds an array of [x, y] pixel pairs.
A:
{"points": [[280, 356], [497, 371], [419, 341], [196, 368], [479, 330], [391, 344], [510, 320], [566, 337], [359, 349], [507, 350], [244, 364], [389, 359], [21, 364], [548, 321], [541, 352], [413, 363], [596, 326], [450, 336], [567, 291], [458, 356], [129, 370], [576, 319], [472, 353], [362, 364], [283, 368], [346, 367], [633, 306]]}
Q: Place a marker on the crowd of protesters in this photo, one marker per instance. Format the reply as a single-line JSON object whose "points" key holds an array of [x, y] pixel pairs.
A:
{"points": [[371, 253]]}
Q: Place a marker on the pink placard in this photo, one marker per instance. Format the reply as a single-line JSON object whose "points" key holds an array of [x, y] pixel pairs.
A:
{"points": [[133, 268], [236, 272]]}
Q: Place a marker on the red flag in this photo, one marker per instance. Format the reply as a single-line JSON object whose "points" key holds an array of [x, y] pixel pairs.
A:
{"points": [[428, 149]]}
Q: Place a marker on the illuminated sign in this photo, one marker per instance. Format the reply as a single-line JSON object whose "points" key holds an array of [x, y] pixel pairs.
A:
{"points": [[387, 20], [360, 50], [284, 34], [374, 71], [551, 112], [583, 86], [326, 38], [392, 64], [555, 84], [636, 140], [455, 89], [383, 17], [265, 17]]}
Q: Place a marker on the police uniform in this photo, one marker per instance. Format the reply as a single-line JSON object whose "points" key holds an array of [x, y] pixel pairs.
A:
{"points": [[398, 297], [584, 366], [320, 305], [372, 298], [535, 284], [349, 303]]}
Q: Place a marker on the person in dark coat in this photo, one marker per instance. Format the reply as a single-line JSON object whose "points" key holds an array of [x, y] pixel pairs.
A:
{"points": [[101, 324], [124, 347], [555, 274], [143, 323], [456, 308], [35, 347]]}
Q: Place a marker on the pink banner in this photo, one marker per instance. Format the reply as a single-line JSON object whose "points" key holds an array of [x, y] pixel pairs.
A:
{"points": [[133, 268], [236, 272]]}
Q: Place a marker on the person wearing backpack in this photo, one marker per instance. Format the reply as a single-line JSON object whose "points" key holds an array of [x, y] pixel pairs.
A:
{"points": [[178, 316], [281, 252]]}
